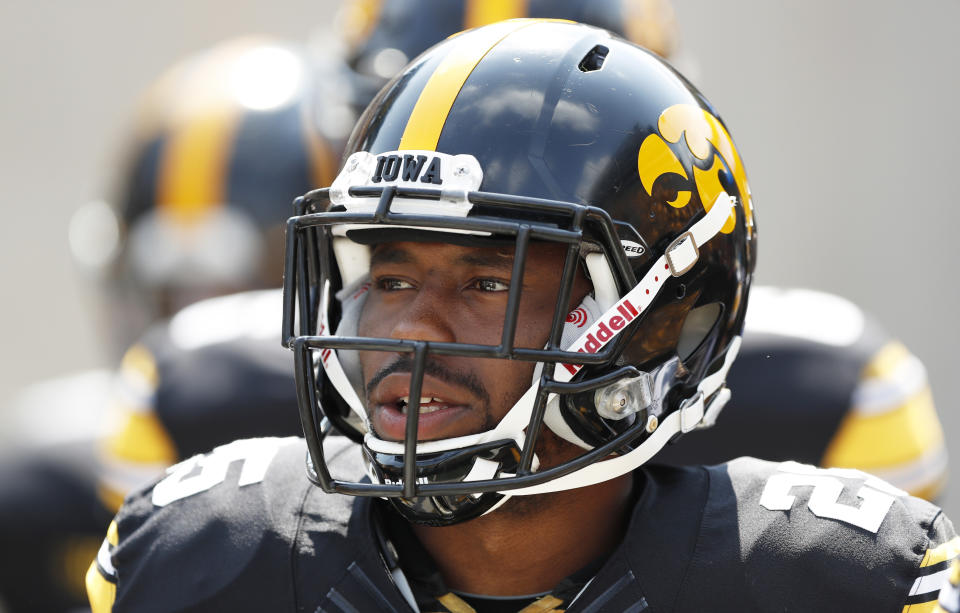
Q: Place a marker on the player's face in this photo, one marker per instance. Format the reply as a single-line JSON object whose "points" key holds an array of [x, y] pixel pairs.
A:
{"points": [[450, 293]]}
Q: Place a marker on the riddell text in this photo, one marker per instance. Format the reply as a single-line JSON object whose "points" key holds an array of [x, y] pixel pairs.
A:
{"points": [[603, 331]]}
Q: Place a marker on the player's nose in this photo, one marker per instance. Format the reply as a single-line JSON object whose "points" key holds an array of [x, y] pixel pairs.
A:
{"points": [[428, 317]]}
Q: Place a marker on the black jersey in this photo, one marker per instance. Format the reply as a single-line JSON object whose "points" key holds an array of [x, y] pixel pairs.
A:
{"points": [[241, 529]]}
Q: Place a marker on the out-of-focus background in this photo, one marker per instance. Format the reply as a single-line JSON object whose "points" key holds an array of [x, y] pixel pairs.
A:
{"points": [[843, 113]]}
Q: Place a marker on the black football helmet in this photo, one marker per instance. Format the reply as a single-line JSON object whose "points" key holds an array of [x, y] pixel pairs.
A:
{"points": [[532, 131], [219, 145]]}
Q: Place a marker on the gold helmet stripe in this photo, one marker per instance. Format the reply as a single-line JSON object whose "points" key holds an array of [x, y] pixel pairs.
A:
{"points": [[430, 112], [194, 165], [478, 13]]}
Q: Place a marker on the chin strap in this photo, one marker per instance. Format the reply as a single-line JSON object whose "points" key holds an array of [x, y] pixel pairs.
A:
{"points": [[697, 411]]}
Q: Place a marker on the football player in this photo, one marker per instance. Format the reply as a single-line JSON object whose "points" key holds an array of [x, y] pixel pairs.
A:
{"points": [[530, 275], [220, 148], [823, 375]]}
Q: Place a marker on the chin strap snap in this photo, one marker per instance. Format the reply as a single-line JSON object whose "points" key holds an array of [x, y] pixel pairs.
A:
{"points": [[691, 412], [701, 410]]}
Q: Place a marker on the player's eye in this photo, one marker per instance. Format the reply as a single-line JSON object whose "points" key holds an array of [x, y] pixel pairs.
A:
{"points": [[490, 285], [392, 284]]}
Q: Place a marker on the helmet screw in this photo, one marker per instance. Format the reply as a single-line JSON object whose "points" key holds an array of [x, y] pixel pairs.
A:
{"points": [[352, 164], [460, 171], [652, 423]]}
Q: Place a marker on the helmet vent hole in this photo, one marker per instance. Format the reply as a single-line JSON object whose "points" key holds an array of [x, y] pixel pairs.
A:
{"points": [[681, 291], [594, 58]]}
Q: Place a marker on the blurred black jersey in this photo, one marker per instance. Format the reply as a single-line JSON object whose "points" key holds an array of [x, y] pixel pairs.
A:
{"points": [[242, 529], [821, 382], [213, 373]]}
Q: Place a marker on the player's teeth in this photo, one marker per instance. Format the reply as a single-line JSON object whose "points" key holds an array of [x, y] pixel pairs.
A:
{"points": [[405, 400], [425, 406]]}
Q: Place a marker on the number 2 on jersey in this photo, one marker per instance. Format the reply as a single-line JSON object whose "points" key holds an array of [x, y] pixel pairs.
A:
{"points": [[876, 496]]}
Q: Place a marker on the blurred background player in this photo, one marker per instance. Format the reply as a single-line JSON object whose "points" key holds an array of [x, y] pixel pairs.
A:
{"points": [[219, 150]]}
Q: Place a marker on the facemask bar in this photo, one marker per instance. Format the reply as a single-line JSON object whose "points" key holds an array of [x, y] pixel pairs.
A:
{"points": [[309, 235]]}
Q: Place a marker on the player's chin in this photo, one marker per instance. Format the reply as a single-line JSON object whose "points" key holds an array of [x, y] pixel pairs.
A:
{"points": [[389, 422]]}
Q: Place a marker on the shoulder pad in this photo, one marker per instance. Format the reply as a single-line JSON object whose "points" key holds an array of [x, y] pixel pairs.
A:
{"points": [[218, 531], [852, 537]]}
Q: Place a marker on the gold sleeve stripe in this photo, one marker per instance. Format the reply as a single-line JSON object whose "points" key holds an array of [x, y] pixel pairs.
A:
{"points": [[478, 13], [888, 440], [101, 576], [942, 553], [113, 535], [426, 121], [100, 592], [926, 588], [923, 607], [193, 165], [455, 604], [547, 604]]}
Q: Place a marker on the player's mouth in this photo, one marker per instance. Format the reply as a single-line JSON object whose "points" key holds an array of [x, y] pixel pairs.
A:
{"points": [[427, 404], [444, 413]]}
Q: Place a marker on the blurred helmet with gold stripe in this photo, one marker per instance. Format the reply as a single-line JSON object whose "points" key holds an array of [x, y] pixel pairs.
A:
{"points": [[220, 145], [381, 37]]}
